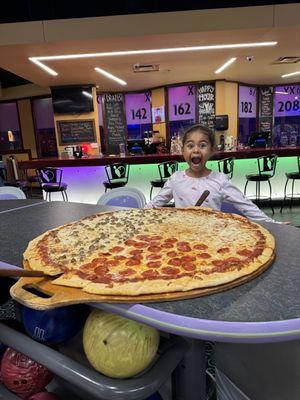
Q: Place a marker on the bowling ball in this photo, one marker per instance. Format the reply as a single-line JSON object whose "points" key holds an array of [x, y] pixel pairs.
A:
{"points": [[22, 375], [54, 326], [155, 396], [2, 349], [116, 346], [43, 396]]}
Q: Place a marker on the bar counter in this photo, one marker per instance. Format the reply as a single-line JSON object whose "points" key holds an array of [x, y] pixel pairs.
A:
{"points": [[85, 176], [153, 158]]}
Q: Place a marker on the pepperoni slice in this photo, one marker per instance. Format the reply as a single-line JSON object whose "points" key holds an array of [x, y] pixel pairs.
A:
{"points": [[150, 273], [130, 242], [154, 249], [244, 252], [133, 261], [140, 245], [218, 263], [188, 258], [223, 250], [154, 256], [200, 246], [99, 260], [184, 248], [101, 270], [155, 237], [170, 270], [154, 264], [135, 252], [188, 266], [171, 240], [105, 254], [144, 238], [203, 255], [126, 272], [167, 245], [175, 261], [183, 244], [172, 254], [116, 249]]}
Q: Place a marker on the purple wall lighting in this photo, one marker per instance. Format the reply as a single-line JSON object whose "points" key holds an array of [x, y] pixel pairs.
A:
{"points": [[247, 102], [9, 117], [287, 101], [182, 102], [138, 108], [43, 113]]}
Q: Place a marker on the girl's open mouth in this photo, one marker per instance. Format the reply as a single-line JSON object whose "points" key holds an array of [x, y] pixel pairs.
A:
{"points": [[196, 160]]}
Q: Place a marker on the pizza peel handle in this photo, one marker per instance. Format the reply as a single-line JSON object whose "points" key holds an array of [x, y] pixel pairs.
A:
{"points": [[20, 272], [201, 199]]}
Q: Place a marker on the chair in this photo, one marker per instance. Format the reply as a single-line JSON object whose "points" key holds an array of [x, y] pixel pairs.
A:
{"points": [[226, 166], [293, 176], [11, 193], [265, 164], [123, 197], [165, 169], [50, 181], [117, 175]]}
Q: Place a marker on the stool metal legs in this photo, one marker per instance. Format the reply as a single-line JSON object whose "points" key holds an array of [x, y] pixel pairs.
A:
{"points": [[151, 192], [257, 192], [288, 196]]}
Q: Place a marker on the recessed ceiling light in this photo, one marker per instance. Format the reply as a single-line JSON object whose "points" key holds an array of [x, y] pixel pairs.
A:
{"points": [[291, 74], [110, 76], [37, 60], [224, 66]]}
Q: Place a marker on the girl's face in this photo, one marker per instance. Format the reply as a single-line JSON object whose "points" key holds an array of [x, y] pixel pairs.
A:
{"points": [[196, 151]]}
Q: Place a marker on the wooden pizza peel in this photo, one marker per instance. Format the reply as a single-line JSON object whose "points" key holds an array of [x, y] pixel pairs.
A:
{"points": [[39, 292]]}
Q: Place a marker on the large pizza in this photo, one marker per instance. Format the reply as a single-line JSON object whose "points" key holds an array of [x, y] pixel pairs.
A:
{"points": [[134, 252]]}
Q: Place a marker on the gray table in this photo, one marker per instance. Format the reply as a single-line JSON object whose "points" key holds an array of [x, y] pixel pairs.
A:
{"points": [[264, 310]]}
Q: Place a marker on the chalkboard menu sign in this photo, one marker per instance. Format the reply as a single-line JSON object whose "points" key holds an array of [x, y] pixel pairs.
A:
{"points": [[206, 104], [78, 131], [114, 121], [266, 109]]}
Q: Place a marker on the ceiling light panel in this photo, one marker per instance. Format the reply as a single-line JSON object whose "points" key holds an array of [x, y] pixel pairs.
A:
{"points": [[110, 76], [226, 65]]}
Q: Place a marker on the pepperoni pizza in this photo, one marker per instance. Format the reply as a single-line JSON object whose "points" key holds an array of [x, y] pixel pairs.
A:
{"points": [[149, 251]]}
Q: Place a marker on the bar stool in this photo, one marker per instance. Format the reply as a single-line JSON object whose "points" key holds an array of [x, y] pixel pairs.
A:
{"points": [[117, 175], [293, 176], [226, 166], [165, 169], [265, 164], [50, 181]]}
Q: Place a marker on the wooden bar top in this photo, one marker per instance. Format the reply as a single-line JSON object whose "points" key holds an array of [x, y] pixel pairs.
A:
{"points": [[152, 158]]}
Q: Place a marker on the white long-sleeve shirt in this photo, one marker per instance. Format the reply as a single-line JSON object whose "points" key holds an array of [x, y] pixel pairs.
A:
{"points": [[186, 191]]}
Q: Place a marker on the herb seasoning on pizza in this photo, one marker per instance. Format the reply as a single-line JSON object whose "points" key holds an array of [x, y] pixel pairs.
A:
{"points": [[149, 251]]}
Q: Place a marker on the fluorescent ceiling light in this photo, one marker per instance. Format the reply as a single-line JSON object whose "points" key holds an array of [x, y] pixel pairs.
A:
{"points": [[110, 76], [291, 74], [224, 66], [37, 60], [44, 67], [87, 94]]}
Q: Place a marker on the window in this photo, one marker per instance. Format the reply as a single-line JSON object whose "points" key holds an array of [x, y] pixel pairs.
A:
{"points": [[44, 127], [10, 135]]}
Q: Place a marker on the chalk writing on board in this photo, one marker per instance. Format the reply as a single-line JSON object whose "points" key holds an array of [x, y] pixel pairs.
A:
{"points": [[78, 131]]}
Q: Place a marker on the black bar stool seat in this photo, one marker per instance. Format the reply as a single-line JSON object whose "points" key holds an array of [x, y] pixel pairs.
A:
{"points": [[117, 175], [265, 164], [293, 176], [165, 169]]}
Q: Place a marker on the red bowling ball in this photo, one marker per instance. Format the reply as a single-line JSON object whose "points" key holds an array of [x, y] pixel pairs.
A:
{"points": [[22, 375]]}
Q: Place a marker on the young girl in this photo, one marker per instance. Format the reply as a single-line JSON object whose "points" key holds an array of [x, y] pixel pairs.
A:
{"points": [[187, 186]]}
